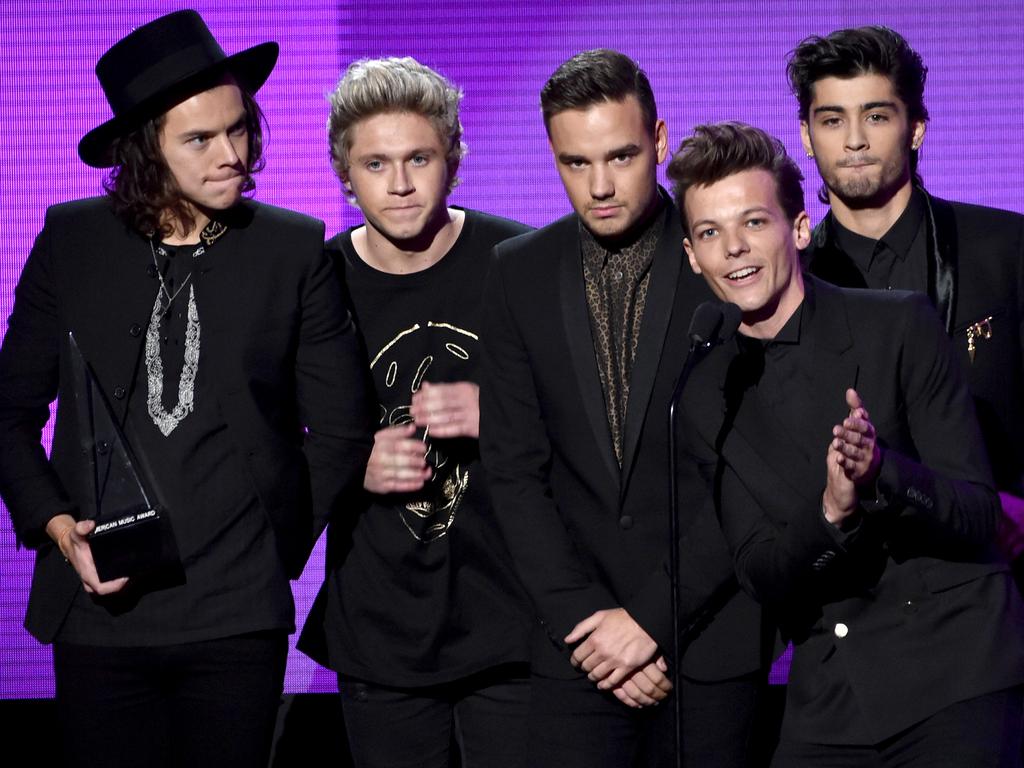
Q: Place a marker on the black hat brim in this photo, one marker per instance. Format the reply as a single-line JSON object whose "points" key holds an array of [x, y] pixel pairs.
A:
{"points": [[250, 69]]}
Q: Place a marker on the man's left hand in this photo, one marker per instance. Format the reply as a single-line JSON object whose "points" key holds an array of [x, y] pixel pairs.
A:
{"points": [[646, 687], [448, 410], [856, 443], [614, 647]]}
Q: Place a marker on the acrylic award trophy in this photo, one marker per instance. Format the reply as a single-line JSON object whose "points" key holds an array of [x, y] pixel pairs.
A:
{"points": [[133, 536]]}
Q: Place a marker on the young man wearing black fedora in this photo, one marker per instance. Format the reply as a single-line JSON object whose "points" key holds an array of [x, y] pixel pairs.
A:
{"points": [[218, 342]]}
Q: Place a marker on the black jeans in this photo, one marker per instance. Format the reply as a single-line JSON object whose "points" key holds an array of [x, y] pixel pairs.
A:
{"points": [[211, 703], [574, 725], [484, 714]]}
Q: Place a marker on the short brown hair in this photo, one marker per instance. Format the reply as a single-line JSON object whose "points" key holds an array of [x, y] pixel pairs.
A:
{"points": [[718, 150], [593, 77]]}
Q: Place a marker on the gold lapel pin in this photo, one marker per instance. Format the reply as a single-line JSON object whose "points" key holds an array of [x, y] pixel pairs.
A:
{"points": [[980, 330]]}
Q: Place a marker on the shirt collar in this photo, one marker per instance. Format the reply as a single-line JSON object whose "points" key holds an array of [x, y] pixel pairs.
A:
{"points": [[898, 239]]}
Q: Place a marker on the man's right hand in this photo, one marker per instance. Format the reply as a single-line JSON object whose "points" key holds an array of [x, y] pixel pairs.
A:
{"points": [[71, 538], [646, 686], [398, 461]]}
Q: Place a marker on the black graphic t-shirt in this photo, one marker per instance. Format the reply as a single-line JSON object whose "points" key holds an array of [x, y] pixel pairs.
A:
{"points": [[422, 589]]}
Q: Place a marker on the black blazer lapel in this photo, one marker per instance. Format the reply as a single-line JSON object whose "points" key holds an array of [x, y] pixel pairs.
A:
{"points": [[576, 317], [942, 259], [661, 293]]}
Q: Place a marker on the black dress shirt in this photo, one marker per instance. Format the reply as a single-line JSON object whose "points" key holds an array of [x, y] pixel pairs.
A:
{"points": [[898, 259]]}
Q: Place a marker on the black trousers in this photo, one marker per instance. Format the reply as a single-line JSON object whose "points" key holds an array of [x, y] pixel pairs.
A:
{"points": [[211, 703], [484, 715], [984, 732], [574, 725]]}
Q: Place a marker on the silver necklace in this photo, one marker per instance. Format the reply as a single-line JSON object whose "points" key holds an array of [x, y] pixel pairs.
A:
{"points": [[167, 421], [160, 275]]}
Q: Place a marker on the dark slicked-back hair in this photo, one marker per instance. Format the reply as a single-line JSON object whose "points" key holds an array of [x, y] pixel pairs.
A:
{"points": [[849, 53], [593, 77], [719, 150], [141, 186]]}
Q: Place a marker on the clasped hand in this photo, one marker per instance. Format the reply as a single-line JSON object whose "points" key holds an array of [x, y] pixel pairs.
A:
{"points": [[619, 656], [852, 462]]}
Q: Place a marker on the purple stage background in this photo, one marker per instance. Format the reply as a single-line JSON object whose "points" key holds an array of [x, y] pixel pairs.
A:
{"points": [[707, 61]]}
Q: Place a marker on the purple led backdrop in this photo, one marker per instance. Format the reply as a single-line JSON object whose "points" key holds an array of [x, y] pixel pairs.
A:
{"points": [[706, 60]]}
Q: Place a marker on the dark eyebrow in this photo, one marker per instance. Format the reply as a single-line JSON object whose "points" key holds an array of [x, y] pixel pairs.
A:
{"points": [[629, 149], [743, 214], [863, 108]]}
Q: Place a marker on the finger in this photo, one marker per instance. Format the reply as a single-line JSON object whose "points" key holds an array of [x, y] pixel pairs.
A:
{"points": [[600, 672], [637, 695], [853, 452], [584, 628], [394, 432], [641, 681], [404, 486], [612, 676], [858, 426], [657, 677], [581, 654], [622, 696], [591, 661], [109, 587], [853, 399], [661, 664], [408, 445]]}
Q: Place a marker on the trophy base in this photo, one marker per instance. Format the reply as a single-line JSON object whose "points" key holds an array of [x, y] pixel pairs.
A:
{"points": [[134, 544]]}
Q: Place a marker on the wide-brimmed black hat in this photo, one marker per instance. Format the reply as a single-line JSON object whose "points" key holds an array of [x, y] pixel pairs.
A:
{"points": [[159, 65]]}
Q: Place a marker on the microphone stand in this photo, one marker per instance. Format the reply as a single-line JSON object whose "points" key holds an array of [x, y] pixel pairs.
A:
{"points": [[711, 324], [697, 349]]}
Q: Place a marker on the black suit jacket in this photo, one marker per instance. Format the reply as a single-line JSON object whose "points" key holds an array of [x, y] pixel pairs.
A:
{"points": [[585, 535], [915, 609], [282, 356], [975, 271]]}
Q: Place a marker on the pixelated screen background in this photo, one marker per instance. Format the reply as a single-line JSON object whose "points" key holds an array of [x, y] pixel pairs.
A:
{"points": [[707, 61]]}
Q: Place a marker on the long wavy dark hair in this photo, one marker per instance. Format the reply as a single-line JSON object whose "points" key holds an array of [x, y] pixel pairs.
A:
{"points": [[142, 188]]}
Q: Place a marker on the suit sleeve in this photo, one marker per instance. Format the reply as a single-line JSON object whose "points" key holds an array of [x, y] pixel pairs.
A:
{"points": [[946, 491], [517, 453], [29, 375], [333, 393]]}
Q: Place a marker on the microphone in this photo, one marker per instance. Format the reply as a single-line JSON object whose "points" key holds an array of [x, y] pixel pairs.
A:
{"points": [[712, 323]]}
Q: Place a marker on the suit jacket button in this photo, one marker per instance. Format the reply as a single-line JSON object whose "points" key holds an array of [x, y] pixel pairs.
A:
{"points": [[909, 607], [120, 392], [626, 522], [135, 330], [841, 630], [151, 270]]}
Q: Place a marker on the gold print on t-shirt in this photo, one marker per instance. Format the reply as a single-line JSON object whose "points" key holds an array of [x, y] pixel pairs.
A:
{"points": [[429, 517]]}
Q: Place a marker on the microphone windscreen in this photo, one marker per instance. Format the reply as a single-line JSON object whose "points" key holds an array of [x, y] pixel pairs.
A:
{"points": [[704, 325], [731, 316]]}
